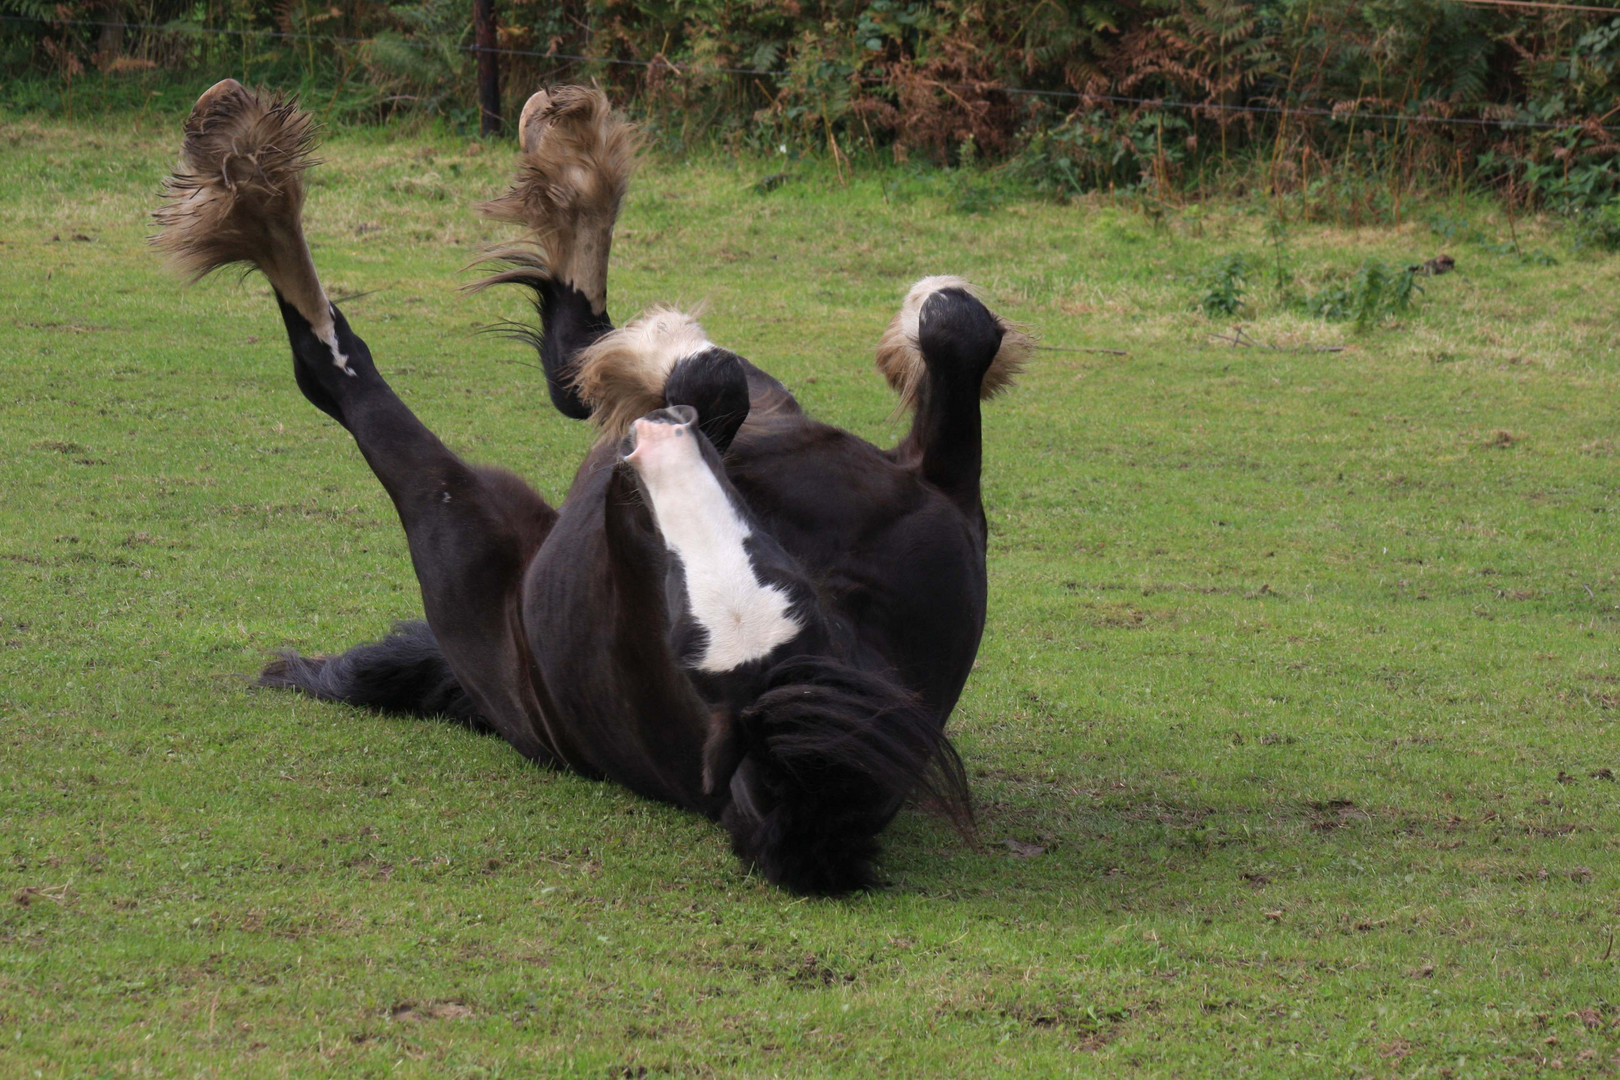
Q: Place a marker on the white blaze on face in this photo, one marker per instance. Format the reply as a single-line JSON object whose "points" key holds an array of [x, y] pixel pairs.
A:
{"points": [[743, 617]]}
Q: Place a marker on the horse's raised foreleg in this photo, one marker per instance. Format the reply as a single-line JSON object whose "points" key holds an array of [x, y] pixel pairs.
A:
{"points": [[944, 352], [573, 171], [471, 531]]}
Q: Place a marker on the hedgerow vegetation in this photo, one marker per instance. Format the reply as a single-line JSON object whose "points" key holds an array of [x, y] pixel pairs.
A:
{"points": [[1350, 107]]}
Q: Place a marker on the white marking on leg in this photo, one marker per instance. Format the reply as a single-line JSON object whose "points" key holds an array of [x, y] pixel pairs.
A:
{"points": [[339, 359], [743, 618]]}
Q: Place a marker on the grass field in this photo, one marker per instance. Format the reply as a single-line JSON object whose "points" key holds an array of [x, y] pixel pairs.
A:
{"points": [[1293, 733]]}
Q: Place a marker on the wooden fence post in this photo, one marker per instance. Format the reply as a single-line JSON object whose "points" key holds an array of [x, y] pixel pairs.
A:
{"points": [[489, 71]]}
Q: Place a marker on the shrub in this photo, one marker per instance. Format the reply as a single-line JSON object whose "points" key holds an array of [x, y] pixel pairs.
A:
{"points": [[1599, 229], [1224, 284], [1373, 293], [1100, 95]]}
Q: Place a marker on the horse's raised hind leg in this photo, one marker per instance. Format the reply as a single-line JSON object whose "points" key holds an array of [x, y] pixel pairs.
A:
{"points": [[573, 171], [471, 531]]}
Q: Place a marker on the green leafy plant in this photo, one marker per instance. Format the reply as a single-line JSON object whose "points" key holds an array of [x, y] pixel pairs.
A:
{"points": [[1331, 303], [973, 190], [1224, 283], [424, 60], [1455, 230], [1373, 293], [1099, 151], [1599, 229], [974, 193]]}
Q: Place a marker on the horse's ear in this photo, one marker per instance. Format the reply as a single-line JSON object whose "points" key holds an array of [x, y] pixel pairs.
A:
{"points": [[723, 751]]}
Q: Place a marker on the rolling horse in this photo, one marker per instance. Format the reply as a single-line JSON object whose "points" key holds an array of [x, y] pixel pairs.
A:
{"points": [[736, 609]]}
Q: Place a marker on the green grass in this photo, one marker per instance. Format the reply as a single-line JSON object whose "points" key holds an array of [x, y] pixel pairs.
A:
{"points": [[1301, 670]]}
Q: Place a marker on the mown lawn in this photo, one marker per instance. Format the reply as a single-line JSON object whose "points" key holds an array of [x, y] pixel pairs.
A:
{"points": [[1293, 733]]}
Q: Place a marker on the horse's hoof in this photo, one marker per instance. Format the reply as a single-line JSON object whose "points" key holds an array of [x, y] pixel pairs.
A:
{"points": [[580, 115], [214, 95], [531, 125]]}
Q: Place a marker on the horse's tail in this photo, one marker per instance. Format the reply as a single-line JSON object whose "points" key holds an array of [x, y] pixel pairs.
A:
{"points": [[829, 754], [901, 351], [404, 673]]}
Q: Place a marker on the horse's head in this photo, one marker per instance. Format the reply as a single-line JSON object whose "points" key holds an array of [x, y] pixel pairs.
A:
{"points": [[814, 754]]}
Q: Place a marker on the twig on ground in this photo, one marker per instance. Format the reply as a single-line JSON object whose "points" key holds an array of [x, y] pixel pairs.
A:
{"points": [[1235, 339], [1239, 337]]}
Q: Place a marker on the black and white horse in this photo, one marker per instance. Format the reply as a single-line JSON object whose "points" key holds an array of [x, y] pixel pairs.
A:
{"points": [[737, 609]]}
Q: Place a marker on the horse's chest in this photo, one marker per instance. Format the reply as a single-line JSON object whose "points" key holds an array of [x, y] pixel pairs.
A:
{"points": [[719, 598]]}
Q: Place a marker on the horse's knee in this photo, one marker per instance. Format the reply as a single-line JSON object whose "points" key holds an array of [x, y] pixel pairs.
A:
{"points": [[325, 364], [714, 383], [660, 359]]}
